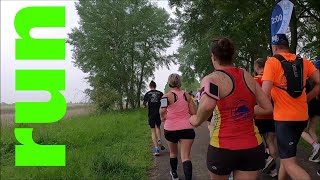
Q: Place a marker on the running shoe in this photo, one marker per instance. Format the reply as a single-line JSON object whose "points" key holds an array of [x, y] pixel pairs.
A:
{"points": [[269, 163], [161, 146], [315, 154], [156, 151], [231, 176], [174, 175], [273, 173], [318, 172]]}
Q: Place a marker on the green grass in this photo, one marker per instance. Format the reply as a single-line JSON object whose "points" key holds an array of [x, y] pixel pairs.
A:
{"points": [[110, 146]]}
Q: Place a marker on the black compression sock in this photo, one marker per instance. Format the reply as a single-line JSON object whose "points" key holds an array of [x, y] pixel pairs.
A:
{"points": [[187, 169], [174, 164]]}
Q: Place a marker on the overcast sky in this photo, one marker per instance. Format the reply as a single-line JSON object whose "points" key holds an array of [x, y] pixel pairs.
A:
{"points": [[75, 81]]}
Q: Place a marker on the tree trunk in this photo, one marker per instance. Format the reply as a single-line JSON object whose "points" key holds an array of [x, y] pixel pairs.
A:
{"points": [[140, 85], [293, 29], [120, 102], [127, 103]]}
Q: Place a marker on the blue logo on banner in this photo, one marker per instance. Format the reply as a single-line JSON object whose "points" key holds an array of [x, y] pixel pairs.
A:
{"points": [[276, 20]]}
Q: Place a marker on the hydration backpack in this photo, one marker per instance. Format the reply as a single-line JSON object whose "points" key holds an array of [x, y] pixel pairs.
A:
{"points": [[293, 71]]}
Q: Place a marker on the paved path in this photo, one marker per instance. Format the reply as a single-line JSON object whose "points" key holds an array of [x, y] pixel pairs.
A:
{"points": [[198, 157]]}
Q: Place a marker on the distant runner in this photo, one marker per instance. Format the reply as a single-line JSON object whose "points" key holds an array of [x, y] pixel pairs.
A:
{"points": [[176, 108], [266, 127], [310, 134], [236, 145], [284, 79], [152, 99], [198, 97]]}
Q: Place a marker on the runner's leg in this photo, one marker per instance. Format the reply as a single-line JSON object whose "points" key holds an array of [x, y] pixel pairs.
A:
{"points": [[218, 177], [313, 126], [307, 137], [185, 157], [154, 137], [173, 148], [245, 174], [270, 140], [288, 136], [158, 133], [294, 170], [282, 175]]}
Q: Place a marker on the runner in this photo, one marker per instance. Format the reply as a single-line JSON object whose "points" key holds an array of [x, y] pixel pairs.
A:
{"points": [[290, 111], [310, 133], [198, 97], [235, 145], [266, 127], [152, 98], [176, 108]]}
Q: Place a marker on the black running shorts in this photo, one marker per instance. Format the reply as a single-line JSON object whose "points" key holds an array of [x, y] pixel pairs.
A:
{"points": [[175, 136], [223, 161], [265, 125], [154, 120], [288, 135], [314, 108]]}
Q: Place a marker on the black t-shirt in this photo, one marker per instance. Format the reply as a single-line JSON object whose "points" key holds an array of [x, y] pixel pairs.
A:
{"points": [[153, 98]]}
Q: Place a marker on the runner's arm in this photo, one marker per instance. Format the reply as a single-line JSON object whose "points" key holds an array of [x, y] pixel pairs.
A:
{"points": [[192, 106], [145, 99], [163, 111], [264, 106], [266, 88], [315, 92], [205, 109]]}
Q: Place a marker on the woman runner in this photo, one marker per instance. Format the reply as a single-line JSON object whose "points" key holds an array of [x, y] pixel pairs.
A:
{"points": [[176, 108], [236, 145]]}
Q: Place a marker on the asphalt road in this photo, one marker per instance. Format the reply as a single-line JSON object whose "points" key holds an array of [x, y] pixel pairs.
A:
{"points": [[198, 157]]}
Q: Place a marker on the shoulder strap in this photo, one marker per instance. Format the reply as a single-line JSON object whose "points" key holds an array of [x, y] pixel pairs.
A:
{"points": [[174, 96], [279, 57], [232, 79], [185, 96]]}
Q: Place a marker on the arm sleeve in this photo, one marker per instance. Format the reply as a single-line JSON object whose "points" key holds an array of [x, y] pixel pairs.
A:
{"points": [[145, 98], [310, 68], [269, 71]]}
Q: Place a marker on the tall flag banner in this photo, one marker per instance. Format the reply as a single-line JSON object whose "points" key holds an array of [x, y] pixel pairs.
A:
{"points": [[280, 18]]}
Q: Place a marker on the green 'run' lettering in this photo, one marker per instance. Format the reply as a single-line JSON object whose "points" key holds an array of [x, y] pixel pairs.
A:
{"points": [[29, 153], [28, 48]]}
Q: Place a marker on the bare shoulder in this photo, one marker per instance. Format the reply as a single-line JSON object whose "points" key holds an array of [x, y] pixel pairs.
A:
{"points": [[247, 75], [213, 77], [166, 94], [251, 83]]}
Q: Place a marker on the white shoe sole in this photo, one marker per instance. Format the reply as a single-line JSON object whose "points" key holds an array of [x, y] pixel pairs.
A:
{"points": [[268, 166], [315, 157], [315, 161], [173, 177]]}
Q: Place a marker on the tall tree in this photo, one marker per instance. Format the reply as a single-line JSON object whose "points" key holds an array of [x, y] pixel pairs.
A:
{"points": [[247, 23], [119, 44]]}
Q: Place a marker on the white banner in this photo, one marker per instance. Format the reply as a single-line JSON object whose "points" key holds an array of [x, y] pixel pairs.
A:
{"points": [[280, 18]]}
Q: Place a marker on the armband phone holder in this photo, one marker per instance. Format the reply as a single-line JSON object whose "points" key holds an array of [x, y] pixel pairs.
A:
{"points": [[164, 102], [211, 90]]}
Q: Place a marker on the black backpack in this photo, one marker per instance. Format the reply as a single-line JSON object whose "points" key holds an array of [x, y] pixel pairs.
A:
{"points": [[293, 71]]}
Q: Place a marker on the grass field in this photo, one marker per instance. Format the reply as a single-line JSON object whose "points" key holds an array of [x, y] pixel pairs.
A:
{"points": [[7, 114], [111, 146]]}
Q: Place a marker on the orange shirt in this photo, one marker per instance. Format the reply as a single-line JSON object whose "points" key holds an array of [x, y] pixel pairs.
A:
{"points": [[287, 108]]}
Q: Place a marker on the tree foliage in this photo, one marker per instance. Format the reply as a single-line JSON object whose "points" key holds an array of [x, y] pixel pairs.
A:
{"points": [[120, 44], [247, 23]]}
